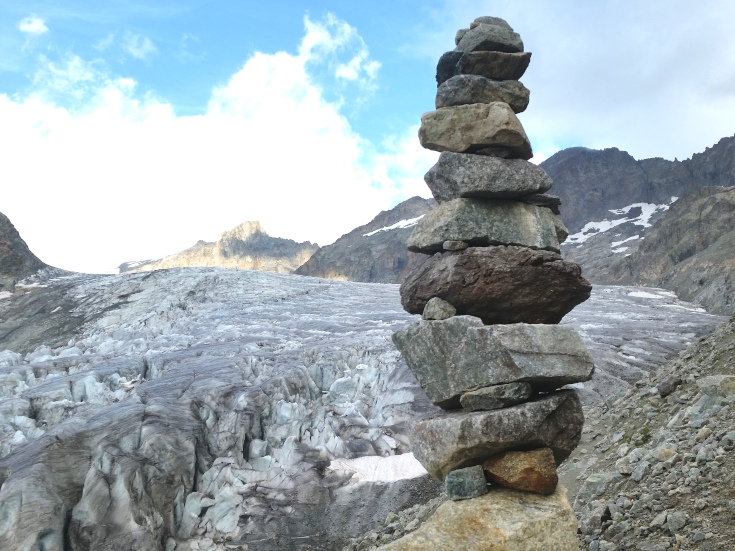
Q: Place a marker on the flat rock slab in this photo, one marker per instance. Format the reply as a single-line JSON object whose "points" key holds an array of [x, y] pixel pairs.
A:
{"points": [[459, 175], [502, 520], [551, 202], [466, 483], [452, 441], [482, 223], [492, 65], [498, 284], [458, 355], [532, 471], [495, 397], [468, 89], [489, 37], [468, 128]]}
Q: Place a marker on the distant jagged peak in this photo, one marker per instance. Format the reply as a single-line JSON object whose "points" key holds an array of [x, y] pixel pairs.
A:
{"points": [[243, 231]]}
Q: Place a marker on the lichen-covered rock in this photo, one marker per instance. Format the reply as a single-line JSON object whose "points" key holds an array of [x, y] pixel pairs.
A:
{"points": [[492, 65], [502, 520], [481, 222], [468, 128], [488, 37], [466, 483], [531, 471], [457, 175], [453, 441], [458, 355], [467, 89], [498, 284]]}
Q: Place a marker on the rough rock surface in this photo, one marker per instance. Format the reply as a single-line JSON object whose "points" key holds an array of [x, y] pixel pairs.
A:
{"points": [[453, 441], [460, 354], [488, 37], [467, 89], [481, 222], [375, 252], [495, 397], [657, 473], [531, 471], [492, 65], [502, 520], [246, 247], [438, 309], [469, 128], [16, 259], [458, 175], [498, 284]]}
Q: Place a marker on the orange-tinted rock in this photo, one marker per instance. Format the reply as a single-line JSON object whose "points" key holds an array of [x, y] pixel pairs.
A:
{"points": [[533, 471]]}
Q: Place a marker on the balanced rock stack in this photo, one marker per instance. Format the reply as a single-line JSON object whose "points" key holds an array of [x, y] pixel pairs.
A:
{"points": [[488, 349]]}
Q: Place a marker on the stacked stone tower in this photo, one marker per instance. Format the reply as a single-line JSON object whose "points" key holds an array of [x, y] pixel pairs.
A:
{"points": [[488, 349]]}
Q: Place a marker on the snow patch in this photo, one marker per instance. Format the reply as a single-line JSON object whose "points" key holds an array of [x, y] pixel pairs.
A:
{"points": [[643, 219], [380, 469], [407, 223], [616, 244], [5, 294]]}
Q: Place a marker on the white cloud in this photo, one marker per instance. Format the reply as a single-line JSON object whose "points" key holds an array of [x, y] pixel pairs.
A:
{"points": [[105, 43], [33, 25], [123, 177], [138, 46]]}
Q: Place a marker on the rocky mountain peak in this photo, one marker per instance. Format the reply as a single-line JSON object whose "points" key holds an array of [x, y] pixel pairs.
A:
{"points": [[243, 231], [16, 259]]}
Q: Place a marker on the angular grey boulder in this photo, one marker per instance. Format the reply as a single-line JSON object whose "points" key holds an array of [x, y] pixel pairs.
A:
{"points": [[466, 483], [485, 37], [438, 309], [469, 128], [495, 397], [456, 440], [468, 89], [452, 357], [483, 223], [490, 20], [458, 175]]}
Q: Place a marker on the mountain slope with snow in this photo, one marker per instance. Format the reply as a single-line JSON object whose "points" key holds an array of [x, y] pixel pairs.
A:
{"points": [[375, 252]]}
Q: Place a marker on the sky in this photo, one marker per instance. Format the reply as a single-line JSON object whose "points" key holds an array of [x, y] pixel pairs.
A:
{"points": [[130, 129]]}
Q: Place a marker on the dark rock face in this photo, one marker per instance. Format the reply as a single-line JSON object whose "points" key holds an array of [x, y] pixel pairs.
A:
{"points": [[466, 483], [466, 89], [496, 397], [16, 259], [690, 251], [492, 65], [246, 247], [457, 175], [457, 440], [591, 182], [375, 252], [498, 284]]}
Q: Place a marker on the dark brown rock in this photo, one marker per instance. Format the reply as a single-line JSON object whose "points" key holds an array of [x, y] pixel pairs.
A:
{"points": [[668, 385], [492, 65], [456, 440], [532, 471], [498, 284]]}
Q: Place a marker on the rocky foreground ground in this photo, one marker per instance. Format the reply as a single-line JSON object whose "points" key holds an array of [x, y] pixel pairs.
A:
{"points": [[205, 408]]}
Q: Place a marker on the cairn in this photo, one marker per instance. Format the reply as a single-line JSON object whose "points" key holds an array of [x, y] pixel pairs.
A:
{"points": [[488, 349]]}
